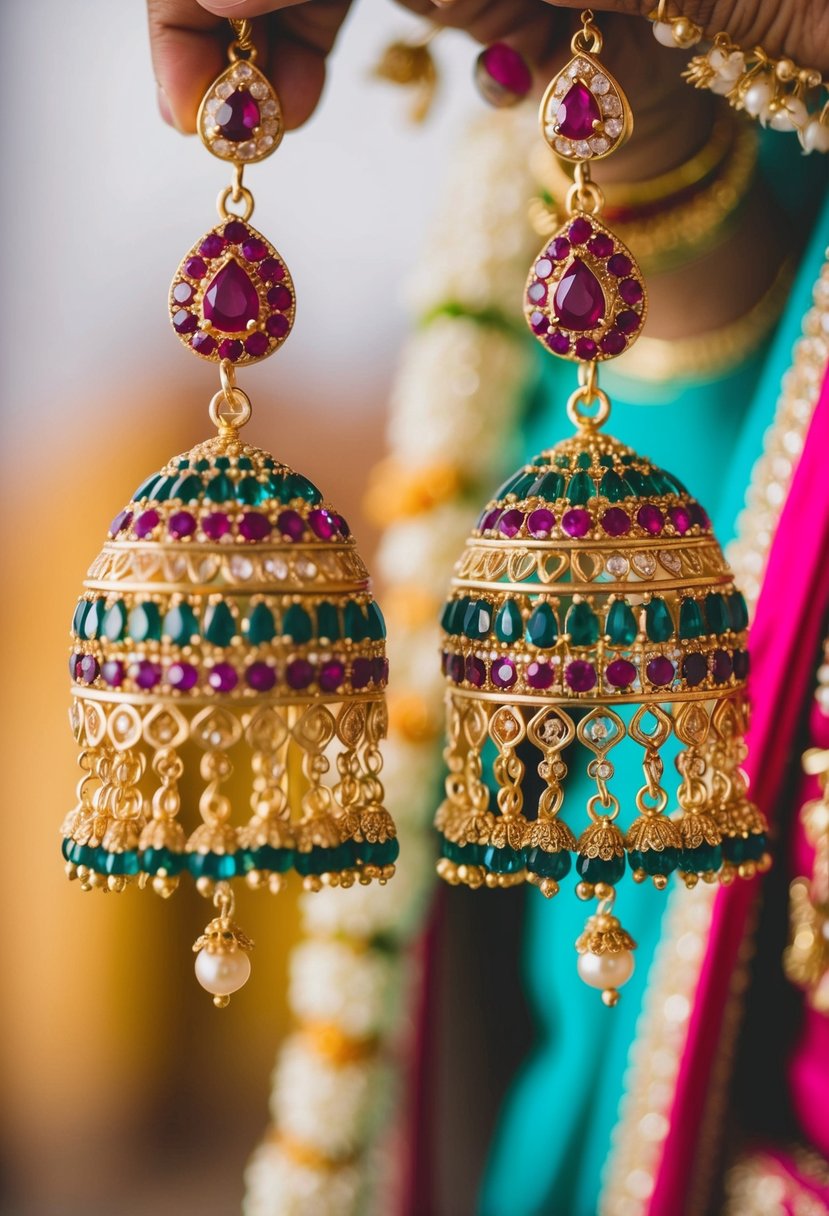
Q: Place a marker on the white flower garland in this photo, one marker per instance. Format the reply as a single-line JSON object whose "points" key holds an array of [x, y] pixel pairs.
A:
{"points": [[455, 401]]}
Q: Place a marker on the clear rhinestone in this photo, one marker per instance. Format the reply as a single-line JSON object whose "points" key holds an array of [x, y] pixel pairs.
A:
{"points": [[582, 148], [221, 146], [611, 105], [671, 561], [645, 563], [264, 143], [212, 105], [269, 109], [617, 565], [561, 86], [613, 127], [599, 83], [277, 566], [246, 151], [259, 90], [564, 146], [224, 89], [243, 71], [305, 568], [270, 126], [241, 567], [599, 144]]}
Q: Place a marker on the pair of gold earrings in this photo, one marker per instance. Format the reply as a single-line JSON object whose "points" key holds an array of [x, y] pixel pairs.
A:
{"points": [[228, 620]]}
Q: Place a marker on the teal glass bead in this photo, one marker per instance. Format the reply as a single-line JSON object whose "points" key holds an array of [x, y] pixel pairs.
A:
{"points": [[596, 869], [509, 624], [66, 847], [114, 624], [163, 488], [79, 618], [212, 865], [354, 622], [459, 615], [548, 865], [542, 627], [219, 488], [261, 627], [690, 619], [379, 854], [658, 623], [462, 854], [582, 624], [518, 484], [120, 863], [297, 486], [187, 488], [654, 861], [296, 625], [201, 466], [219, 627], [245, 462], [328, 622], [251, 492], [181, 624], [147, 488], [738, 611], [447, 616], [503, 861], [222, 462], [376, 623], [145, 622], [157, 861], [620, 624], [716, 613], [584, 461], [93, 619], [581, 489], [639, 483], [705, 859], [744, 848], [278, 861], [550, 487], [325, 861], [612, 487], [477, 622]]}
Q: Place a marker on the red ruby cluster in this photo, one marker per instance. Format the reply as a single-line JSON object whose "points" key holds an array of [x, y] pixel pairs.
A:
{"points": [[232, 297], [585, 298]]}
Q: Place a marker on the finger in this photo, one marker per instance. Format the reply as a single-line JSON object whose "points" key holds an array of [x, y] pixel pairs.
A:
{"points": [[245, 8], [187, 46], [527, 26], [301, 38]]}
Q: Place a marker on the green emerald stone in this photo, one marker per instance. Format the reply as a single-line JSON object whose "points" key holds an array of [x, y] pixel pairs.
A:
{"points": [[705, 859], [328, 622], [738, 611], [542, 627], [119, 863], [376, 624], [261, 627], [550, 487], [212, 865], [563, 462], [690, 619], [297, 486], [181, 624], [296, 624], [163, 490], [606, 460], [509, 624], [744, 848], [478, 620], [114, 624], [244, 462], [652, 861], [458, 615], [595, 869], [640, 484], [325, 861], [581, 489], [668, 483], [154, 861], [277, 488], [222, 462], [716, 613], [447, 616], [518, 484], [503, 861], [612, 487], [462, 854], [620, 625], [658, 622], [582, 624], [219, 627], [147, 488], [201, 466], [188, 489], [145, 623], [251, 492], [383, 853], [79, 618], [355, 624], [94, 619], [584, 461], [219, 488], [269, 858], [548, 865]]}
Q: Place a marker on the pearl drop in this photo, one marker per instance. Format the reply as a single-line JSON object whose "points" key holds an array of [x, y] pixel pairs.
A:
{"points": [[222, 972], [781, 120], [606, 970], [663, 32], [756, 98]]}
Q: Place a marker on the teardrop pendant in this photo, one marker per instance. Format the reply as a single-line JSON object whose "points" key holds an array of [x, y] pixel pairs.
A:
{"points": [[232, 296], [240, 118], [585, 297], [584, 112]]}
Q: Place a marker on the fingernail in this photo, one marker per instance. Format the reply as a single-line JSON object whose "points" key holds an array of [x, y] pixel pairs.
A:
{"points": [[164, 106]]}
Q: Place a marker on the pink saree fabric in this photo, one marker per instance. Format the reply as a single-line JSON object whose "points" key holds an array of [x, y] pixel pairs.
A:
{"points": [[784, 642]]}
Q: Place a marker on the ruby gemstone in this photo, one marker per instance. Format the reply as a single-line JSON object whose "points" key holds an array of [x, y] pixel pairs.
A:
{"points": [[650, 518], [277, 325], [507, 68], [660, 671], [558, 343], [223, 677], [257, 344], [541, 522], [620, 265], [231, 300], [578, 112], [544, 268], [261, 677], [271, 270], [601, 246], [230, 348], [211, 247], [215, 526], [628, 321], [580, 230], [291, 525], [254, 250], [579, 300], [503, 673], [299, 673], [475, 671], [183, 293], [586, 349], [539, 323], [616, 522], [237, 116], [196, 267], [236, 232], [630, 291], [279, 297], [539, 675], [184, 322], [576, 522], [253, 526], [203, 343], [182, 676], [332, 675], [559, 248], [537, 293], [511, 521], [620, 673], [613, 343], [580, 675]]}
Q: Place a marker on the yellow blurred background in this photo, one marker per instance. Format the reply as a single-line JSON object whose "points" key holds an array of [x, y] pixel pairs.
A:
{"points": [[123, 1090]]}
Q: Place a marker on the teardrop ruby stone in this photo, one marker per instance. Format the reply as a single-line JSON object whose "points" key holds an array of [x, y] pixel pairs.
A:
{"points": [[230, 301], [578, 112], [237, 116], [579, 300]]}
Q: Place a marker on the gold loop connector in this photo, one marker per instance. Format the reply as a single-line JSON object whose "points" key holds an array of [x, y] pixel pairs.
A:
{"points": [[230, 408], [237, 193], [242, 46], [584, 397], [589, 37], [584, 196], [607, 809], [237, 187]]}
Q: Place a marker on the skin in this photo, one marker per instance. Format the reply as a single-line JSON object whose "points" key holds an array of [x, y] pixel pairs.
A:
{"points": [[189, 39]]}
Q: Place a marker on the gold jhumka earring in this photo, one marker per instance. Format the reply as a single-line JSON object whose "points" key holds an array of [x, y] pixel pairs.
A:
{"points": [[592, 604], [228, 621]]}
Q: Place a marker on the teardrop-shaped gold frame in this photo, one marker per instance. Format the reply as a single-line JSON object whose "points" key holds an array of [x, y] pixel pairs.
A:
{"points": [[610, 98], [265, 138]]}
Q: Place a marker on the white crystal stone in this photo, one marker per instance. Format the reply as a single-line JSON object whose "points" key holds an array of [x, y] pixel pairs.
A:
{"points": [[243, 71], [276, 566], [617, 564], [600, 84], [247, 150], [259, 90], [221, 146], [561, 86], [305, 568], [264, 143], [224, 89], [613, 127], [270, 126], [582, 148], [241, 567], [611, 105], [212, 105], [564, 146], [269, 108], [599, 144]]}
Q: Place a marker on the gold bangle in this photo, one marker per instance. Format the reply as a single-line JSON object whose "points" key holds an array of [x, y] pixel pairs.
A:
{"points": [[709, 355]]}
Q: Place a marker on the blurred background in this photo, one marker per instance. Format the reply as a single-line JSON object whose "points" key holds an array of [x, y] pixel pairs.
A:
{"points": [[123, 1090]]}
